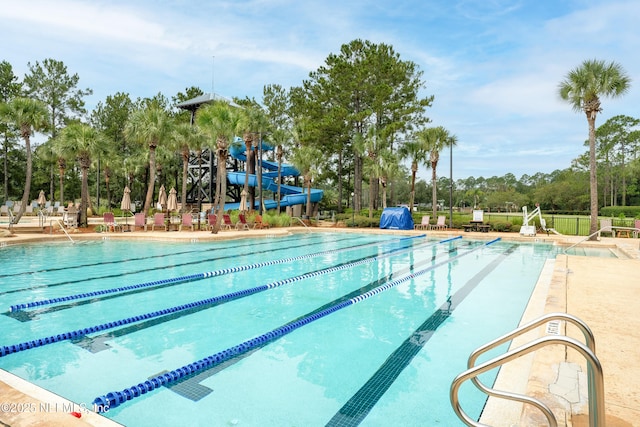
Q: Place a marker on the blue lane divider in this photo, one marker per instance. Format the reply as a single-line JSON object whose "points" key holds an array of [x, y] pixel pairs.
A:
{"points": [[115, 398], [77, 334], [192, 277]]}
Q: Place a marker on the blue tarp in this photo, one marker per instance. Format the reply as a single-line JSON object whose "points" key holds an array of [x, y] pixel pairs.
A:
{"points": [[396, 219]]}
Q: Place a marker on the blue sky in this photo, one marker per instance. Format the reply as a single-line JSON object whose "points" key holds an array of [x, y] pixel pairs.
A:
{"points": [[493, 65]]}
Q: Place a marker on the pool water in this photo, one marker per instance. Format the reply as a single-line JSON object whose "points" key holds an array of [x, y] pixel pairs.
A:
{"points": [[351, 330]]}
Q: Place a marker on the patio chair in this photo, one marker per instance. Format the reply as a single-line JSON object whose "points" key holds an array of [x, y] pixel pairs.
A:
{"points": [[140, 220], [226, 222], [242, 223], [424, 223], [606, 227], [259, 224], [440, 225], [187, 221], [211, 221], [109, 221], [4, 210], [158, 221]]}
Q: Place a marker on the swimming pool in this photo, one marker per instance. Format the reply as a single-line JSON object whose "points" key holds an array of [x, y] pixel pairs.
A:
{"points": [[310, 329]]}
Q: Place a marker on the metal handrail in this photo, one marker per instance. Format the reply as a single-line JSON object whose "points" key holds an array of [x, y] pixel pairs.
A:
{"points": [[61, 227], [608, 228], [301, 222], [594, 369], [589, 341]]}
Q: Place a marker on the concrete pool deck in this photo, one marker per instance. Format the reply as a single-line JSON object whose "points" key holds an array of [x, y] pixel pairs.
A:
{"points": [[603, 292]]}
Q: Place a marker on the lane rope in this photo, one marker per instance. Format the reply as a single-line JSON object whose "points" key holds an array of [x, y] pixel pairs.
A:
{"points": [[79, 333], [191, 277], [115, 398]]}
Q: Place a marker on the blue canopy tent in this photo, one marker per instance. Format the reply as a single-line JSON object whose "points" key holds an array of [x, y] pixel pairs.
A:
{"points": [[396, 219]]}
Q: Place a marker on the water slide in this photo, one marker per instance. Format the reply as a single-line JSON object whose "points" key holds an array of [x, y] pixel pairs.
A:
{"points": [[292, 195]]}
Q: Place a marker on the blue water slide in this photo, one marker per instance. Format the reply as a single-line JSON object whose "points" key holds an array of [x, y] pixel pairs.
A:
{"points": [[292, 195]]}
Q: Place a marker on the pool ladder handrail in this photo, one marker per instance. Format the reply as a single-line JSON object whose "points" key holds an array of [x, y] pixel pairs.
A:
{"points": [[594, 369], [302, 222], [61, 227], [607, 229]]}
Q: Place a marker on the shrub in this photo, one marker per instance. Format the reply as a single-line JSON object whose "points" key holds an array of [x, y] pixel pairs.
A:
{"points": [[501, 226], [617, 211]]}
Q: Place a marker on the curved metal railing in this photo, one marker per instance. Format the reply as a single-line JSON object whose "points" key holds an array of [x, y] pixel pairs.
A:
{"points": [[594, 369]]}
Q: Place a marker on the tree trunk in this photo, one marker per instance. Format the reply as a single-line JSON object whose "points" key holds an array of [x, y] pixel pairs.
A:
{"points": [[357, 183], [222, 185], [84, 197], [414, 169], [27, 184], [434, 190], [593, 176], [340, 187], [371, 196], [152, 178], [185, 172]]}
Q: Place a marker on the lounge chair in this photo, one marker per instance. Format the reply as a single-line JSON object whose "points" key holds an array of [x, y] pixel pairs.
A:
{"points": [[424, 223], [226, 222], [211, 221], [4, 210], [158, 221], [440, 225], [242, 223], [259, 224], [606, 227], [140, 220], [636, 225], [187, 221], [109, 221]]}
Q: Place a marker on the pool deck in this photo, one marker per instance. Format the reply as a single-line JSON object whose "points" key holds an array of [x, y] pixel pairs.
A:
{"points": [[603, 292]]}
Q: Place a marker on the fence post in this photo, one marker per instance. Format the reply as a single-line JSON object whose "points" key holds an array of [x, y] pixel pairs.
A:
{"points": [[577, 225]]}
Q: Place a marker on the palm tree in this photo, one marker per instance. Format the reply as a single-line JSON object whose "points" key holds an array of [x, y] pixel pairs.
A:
{"points": [[187, 138], [434, 141], [29, 116], [221, 122], [255, 123], [415, 151], [389, 169], [582, 88], [83, 142], [307, 160], [152, 126]]}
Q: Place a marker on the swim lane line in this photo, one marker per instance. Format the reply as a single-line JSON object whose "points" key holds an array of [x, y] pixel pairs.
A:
{"points": [[115, 398]]}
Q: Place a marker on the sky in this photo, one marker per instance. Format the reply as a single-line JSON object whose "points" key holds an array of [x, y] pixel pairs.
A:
{"points": [[493, 66]]}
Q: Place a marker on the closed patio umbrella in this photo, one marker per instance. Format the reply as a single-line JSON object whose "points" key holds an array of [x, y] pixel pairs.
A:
{"points": [[172, 203], [243, 201], [125, 204], [162, 197], [42, 200]]}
